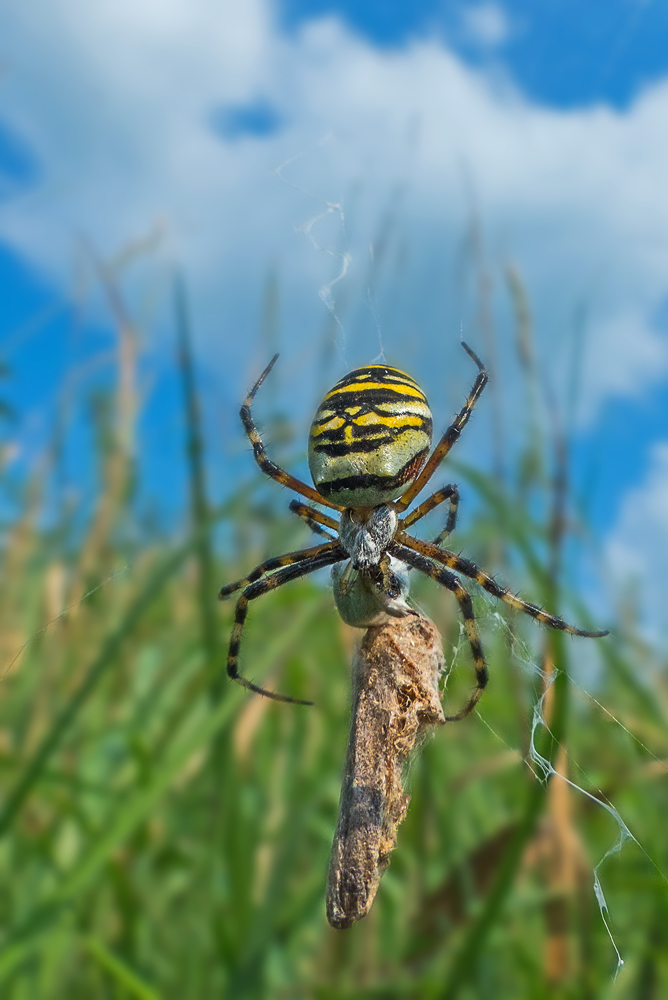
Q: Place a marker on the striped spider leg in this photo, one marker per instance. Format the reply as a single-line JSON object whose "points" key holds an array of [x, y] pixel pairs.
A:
{"points": [[413, 551], [318, 522], [449, 580], [268, 467], [451, 435], [288, 567], [450, 493]]}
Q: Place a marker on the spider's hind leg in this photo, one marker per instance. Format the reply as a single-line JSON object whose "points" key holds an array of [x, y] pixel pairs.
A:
{"points": [[330, 553], [468, 568], [277, 562], [449, 580]]}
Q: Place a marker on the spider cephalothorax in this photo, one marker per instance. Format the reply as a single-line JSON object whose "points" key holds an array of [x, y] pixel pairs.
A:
{"points": [[369, 458]]}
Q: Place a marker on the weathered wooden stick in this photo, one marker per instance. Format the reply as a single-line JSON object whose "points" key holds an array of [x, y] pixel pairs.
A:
{"points": [[395, 684]]}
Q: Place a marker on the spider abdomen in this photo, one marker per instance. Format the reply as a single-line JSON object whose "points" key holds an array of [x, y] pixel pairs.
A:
{"points": [[370, 437]]}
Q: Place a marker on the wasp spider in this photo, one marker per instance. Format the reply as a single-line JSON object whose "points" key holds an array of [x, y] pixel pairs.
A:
{"points": [[369, 456]]}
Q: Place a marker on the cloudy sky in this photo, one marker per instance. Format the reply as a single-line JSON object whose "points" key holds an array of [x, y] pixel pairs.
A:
{"points": [[339, 157]]}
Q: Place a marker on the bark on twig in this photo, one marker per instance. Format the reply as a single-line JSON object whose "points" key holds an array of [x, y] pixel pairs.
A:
{"points": [[396, 699]]}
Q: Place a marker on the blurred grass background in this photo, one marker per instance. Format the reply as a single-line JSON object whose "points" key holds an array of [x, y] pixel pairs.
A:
{"points": [[165, 835]]}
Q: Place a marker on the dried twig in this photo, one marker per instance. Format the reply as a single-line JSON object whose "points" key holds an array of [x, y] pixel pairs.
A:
{"points": [[396, 698]]}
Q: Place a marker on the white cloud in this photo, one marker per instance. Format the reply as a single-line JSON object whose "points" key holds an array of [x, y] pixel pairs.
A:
{"points": [[628, 354], [486, 23], [116, 98]]}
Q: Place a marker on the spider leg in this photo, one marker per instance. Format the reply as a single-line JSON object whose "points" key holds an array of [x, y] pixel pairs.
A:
{"points": [[315, 519], [447, 493], [268, 467], [450, 436], [449, 580], [276, 563], [440, 537], [450, 493], [469, 569], [329, 554]]}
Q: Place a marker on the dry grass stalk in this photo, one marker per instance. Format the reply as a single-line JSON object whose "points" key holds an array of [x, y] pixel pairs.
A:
{"points": [[116, 470], [396, 699]]}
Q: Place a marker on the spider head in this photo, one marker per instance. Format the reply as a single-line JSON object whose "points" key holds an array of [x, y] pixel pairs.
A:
{"points": [[366, 532]]}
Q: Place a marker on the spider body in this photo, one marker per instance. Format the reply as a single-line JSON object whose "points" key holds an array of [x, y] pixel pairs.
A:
{"points": [[369, 457], [370, 437]]}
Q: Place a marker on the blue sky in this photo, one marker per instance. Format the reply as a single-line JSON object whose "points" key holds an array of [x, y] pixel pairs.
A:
{"points": [[341, 151], [563, 53]]}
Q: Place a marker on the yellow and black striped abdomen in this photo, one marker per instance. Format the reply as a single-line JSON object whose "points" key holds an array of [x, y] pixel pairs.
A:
{"points": [[370, 437]]}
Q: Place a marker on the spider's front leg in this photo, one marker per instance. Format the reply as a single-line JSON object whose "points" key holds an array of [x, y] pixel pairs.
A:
{"points": [[268, 467], [451, 435]]}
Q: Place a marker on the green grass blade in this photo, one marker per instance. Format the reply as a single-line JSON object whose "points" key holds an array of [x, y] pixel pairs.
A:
{"points": [[199, 506], [140, 803], [121, 973], [464, 963], [94, 674]]}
